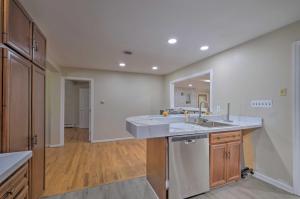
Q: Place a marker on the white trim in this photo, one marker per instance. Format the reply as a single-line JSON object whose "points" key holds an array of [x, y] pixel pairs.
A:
{"points": [[70, 125], [296, 117], [281, 185], [172, 86], [62, 105], [54, 145], [112, 140], [62, 112]]}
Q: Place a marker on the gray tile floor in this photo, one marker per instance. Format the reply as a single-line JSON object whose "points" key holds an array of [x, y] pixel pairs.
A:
{"points": [[139, 189]]}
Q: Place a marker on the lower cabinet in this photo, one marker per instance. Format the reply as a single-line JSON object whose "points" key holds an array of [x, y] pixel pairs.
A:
{"points": [[23, 115], [225, 153], [16, 186]]}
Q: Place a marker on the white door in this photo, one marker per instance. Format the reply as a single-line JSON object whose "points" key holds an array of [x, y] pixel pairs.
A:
{"points": [[84, 108]]}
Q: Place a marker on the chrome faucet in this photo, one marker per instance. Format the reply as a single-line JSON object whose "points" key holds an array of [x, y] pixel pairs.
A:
{"points": [[200, 112], [228, 113]]}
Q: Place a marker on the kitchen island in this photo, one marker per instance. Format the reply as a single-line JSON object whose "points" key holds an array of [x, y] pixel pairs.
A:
{"points": [[185, 157]]}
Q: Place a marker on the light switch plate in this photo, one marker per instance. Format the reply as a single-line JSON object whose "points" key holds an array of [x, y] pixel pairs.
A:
{"points": [[283, 92], [261, 103]]}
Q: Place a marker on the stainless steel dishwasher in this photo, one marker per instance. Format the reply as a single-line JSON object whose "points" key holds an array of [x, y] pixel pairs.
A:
{"points": [[188, 166]]}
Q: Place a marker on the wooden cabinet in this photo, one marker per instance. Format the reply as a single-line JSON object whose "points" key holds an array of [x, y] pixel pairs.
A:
{"points": [[17, 28], [16, 186], [39, 47], [233, 161], [217, 164], [225, 150], [16, 102], [156, 167], [38, 131], [22, 91]]}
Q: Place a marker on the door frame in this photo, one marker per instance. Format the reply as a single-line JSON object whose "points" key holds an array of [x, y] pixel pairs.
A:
{"points": [[172, 87], [62, 105], [296, 118]]}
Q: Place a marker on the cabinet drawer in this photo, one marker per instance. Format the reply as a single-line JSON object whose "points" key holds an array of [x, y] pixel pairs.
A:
{"points": [[15, 184], [23, 194], [217, 138]]}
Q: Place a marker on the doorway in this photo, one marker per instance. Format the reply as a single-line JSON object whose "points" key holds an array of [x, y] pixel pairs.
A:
{"points": [[77, 113]]}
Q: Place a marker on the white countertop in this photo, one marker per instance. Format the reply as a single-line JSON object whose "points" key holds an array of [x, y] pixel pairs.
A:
{"points": [[152, 126], [10, 162]]}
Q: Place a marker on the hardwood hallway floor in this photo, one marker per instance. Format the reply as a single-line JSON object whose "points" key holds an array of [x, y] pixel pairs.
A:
{"points": [[80, 164]]}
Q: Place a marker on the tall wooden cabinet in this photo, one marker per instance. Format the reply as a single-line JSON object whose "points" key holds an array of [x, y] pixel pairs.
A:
{"points": [[22, 89], [16, 105], [38, 131], [225, 153]]}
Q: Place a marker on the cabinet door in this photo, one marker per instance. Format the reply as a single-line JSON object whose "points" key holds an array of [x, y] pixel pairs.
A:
{"points": [[16, 102], [233, 163], [217, 164], [17, 28], [38, 132], [39, 47]]}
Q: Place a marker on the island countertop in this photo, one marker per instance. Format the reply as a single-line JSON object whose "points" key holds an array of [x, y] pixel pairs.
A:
{"points": [[154, 126], [10, 162]]}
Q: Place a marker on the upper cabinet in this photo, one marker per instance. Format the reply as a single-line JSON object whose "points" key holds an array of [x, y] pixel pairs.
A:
{"points": [[21, 34], [39, 47], [17, 28]]}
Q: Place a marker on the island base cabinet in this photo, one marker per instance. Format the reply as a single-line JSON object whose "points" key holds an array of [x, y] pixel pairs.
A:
{"points": [[217, 165], [233, 161], [225, 161], [16, 186], [157, 164]]}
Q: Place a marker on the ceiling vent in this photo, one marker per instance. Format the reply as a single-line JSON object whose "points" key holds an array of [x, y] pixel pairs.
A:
{"points": [[127, 52]]}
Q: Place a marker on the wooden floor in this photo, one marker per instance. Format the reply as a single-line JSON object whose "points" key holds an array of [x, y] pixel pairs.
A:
{"points": [[140, 189], [80, 164]]}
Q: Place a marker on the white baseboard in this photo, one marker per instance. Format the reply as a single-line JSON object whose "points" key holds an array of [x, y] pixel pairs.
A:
{"points": [[69, 125], [55, 145], [111, 140], [281, 185]]}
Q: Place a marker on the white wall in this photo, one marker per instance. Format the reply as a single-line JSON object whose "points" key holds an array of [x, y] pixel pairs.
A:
{"points": [[52, 106], [257, 69], [124, 95]]}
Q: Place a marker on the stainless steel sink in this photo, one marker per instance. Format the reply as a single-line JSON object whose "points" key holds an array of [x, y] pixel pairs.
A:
{"points": [[210, 124]]}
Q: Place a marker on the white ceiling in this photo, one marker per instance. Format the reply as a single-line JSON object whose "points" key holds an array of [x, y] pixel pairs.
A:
{"points": [[93, 33]]}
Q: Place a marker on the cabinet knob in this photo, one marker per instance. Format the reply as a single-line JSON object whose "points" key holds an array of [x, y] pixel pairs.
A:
{"points": [[34, 140]]}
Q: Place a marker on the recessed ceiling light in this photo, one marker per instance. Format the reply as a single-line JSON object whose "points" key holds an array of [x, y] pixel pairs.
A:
{"points": [[190, 85], [122, 64], [172, 41], [204, 48], [206, 80], [154, 67]]}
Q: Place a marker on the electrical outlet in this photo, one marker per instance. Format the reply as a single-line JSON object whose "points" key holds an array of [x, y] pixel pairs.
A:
{"points": [[261, 103]]}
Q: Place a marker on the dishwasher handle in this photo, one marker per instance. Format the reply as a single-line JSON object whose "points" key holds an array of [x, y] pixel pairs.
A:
{"points": [[191, 141]]}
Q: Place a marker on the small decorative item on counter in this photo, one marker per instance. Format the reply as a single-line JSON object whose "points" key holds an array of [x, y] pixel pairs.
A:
{"points": [[165, 113], [187, 116]]}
